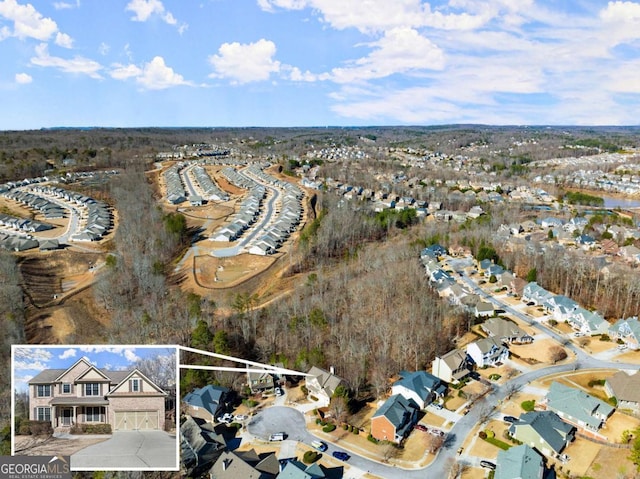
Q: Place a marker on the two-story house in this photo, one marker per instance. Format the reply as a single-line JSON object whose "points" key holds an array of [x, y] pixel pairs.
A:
{"points": [[452, 366], [487, 352], [577, 407], [321, 385], [82, 393], [420, 386], [394, 420]]}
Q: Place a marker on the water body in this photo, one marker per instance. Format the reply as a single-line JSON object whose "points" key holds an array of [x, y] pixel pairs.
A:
{"points": [[611, 202]]}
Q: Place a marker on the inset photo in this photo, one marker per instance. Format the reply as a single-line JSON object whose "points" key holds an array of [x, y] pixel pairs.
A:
{"points": [[107, 407]]}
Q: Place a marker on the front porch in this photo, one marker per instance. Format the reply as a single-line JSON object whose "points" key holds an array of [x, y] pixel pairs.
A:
{"points": [[66, 412]]}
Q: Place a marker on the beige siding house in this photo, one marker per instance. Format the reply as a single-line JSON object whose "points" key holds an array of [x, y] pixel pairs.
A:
{"points": [[84, 394]]}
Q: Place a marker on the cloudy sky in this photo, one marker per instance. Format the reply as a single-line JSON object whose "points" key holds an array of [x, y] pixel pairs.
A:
{"points": [[29, 361], [318, 62]]}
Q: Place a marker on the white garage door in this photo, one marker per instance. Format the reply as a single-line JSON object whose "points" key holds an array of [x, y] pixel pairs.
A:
{"points": [[137, 420]]}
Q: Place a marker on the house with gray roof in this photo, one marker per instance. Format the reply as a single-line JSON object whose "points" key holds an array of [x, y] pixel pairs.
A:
{"points": [[207, 402], [394, 420], [626, 389], [483, 309], [577, 407], [520, 462], [200, 446], [232, 465], [535, 293], [487, 352], [543, 430], [627, 330], [452, 366], [422, 387], [506, 331], [321, 385], [560, 307], [588, 322]]}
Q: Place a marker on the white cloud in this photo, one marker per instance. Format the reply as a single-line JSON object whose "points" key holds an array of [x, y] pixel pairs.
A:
{"points": [[145, 9], [31, 359], [23, 78], [245, 63], [66, 5], [122, 72], [68, 353], [27, 21], [130, 355], [104, 48], [155, 75], [401, 50], [64, 40], [621, 22], [76, 64]]}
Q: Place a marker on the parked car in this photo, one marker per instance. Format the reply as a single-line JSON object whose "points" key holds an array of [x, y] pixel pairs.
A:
{"points": [[509, 419], [343, 456], [277, 436], [421, 427], [319, 445], [436, 405], [488, 465], [279, 392], [240, 417], [436, 432], [226, 418]]}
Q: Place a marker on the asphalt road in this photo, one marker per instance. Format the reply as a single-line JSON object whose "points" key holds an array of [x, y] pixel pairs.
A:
{"points": [[275, 419]]}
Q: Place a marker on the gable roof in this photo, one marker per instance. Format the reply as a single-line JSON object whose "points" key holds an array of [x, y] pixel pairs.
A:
{"points": [[422, 383], [49, 376], [454, 358], [577, 404], [625, 387], [136, 371], [208, 397], [627, 327], [328, 381], [548, 425], [231, 466], [502, 328], [519, 462], [398, 410]]}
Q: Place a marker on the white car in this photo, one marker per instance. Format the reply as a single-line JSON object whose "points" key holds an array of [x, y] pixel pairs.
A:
{"points": [[240, 417], [226, 418]]}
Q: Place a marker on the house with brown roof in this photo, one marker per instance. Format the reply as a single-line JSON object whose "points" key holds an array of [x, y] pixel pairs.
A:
{"points": [[84, 394], [452, 366], [506, 331], [321, 385], [626, 389]]}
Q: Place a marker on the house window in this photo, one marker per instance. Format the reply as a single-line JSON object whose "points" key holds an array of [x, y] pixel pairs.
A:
{"points": [[92, 389], [135, 385], [43, 414], [66, 388], [44, 390], [92, 414]]}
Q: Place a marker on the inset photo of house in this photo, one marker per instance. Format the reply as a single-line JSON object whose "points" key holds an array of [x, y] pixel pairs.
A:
{"points": [[108, 407]]}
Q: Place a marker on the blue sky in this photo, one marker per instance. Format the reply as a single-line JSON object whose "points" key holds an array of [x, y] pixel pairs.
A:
{"points": [[126, 63], [31, 360]]}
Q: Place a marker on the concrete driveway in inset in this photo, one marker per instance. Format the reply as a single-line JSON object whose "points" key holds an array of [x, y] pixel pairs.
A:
{"points": [[129, 449]]}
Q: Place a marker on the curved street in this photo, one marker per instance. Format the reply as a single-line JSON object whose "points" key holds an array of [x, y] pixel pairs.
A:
{"points": [[291, 421]]}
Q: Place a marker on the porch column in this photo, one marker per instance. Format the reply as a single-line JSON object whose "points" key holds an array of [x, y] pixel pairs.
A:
{"points": [[74, 418], [54, 418]]}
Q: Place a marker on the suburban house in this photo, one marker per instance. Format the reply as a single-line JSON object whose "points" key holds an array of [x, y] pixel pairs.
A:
{"points": [[82, 393], [452, 366], [560, 307], [420, 386], [260, 381], [321, 385], [298, 470], [627, 330], [534, 293], [588, 322], [543, 430], [394, 419], [207, 402], [519, 462], [577, 407], [487, 352], [506, 331], [245, 464], [483, 309], [626, 389], [200, 446]]}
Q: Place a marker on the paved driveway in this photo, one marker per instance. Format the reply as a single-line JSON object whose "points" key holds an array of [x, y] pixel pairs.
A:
{"points": [[129, 449]]}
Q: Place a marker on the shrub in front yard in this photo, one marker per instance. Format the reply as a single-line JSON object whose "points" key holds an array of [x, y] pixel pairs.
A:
{"points": [[329, 428], [35, 428], [528, 405], [310, 457], [372, 439], [91, 429]]}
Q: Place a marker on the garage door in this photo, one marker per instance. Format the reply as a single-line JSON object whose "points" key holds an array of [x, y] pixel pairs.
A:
{"points": [[137, 420]]}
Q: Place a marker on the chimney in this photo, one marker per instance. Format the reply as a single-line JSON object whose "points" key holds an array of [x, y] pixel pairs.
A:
{"points": [[332, 370]]}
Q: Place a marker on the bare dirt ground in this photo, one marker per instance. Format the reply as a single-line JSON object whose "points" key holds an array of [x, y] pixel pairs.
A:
{"points": [[609, 461], [52, 446], [212, 272], [537, 352]]}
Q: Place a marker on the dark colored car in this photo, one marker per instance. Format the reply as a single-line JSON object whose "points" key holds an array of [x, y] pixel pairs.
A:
{"points": [[509, 419], [488, 465], [421, 427], [343, 456]]}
